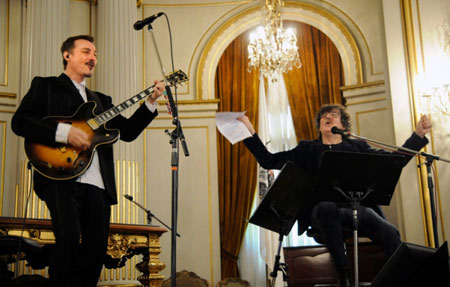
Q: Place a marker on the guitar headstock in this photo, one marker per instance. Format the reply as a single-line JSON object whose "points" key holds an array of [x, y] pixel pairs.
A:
{"points": [[177, 77], [173, 79]]}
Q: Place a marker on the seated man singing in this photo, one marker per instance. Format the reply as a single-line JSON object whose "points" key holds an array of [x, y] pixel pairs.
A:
{"points": [[329, 218]]}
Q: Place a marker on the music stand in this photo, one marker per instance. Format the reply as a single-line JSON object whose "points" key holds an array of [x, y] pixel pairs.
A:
{"points": [[358, 178], [279, 208]]}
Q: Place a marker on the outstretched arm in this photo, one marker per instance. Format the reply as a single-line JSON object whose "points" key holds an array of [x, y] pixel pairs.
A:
{"points": [[265, 158]]}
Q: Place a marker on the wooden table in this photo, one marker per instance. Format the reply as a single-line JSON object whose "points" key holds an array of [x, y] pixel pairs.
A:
{"points": [[124, 241]]}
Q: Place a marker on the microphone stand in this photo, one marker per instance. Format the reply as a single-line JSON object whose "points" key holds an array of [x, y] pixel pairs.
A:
{"points": [[149, 213], [176, 135], [429, 158]]}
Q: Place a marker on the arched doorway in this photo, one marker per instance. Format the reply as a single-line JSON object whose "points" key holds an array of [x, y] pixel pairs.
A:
{"points": [[316, 83]]}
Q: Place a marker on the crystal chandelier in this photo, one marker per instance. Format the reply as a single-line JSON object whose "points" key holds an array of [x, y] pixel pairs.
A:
{"points": [[271, 47]]}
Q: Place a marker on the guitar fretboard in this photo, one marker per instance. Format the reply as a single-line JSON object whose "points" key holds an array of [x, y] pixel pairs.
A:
{"points": [[98, 121], [116, 110]]}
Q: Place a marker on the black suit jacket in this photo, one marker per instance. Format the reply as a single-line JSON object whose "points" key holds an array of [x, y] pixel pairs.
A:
{"points": [[58, 96], [308, 155]]}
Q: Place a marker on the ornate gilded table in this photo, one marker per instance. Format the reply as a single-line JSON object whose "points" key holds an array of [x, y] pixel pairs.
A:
{"points": [[125, 241]]}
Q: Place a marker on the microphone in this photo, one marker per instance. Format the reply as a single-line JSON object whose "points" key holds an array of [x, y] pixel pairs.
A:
{"points": [[172, 105], [174, 110], [140, 24], [149, 213], [335, 130]]}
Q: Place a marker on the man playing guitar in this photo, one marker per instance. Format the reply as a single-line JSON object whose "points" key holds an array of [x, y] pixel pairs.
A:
{"points": [[79, 204]]}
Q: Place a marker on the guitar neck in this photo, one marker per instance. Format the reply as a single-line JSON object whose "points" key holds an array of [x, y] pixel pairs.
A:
{"points": [[117, 110], [98, 121]]}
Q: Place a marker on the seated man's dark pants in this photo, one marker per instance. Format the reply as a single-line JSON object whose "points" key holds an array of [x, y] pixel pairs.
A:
{"points": [[330, 220], [80, 217]]}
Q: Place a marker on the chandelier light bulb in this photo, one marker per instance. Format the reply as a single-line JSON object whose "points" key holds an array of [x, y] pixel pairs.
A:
{"points": [[273, 48]]}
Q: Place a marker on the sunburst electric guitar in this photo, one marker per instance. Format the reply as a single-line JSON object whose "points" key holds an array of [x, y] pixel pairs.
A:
{"points": [[62, 162]]}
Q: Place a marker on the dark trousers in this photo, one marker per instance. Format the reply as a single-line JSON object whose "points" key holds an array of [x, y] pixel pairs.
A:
{"points": [[335, 224], [80, 217]]}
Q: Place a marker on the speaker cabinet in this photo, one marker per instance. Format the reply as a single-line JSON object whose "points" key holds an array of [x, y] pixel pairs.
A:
{"points": [[415, 265]]}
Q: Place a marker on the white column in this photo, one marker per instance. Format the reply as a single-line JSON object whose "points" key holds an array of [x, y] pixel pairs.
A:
{"points": [[46, 26], [117, 52], [117, 76]]}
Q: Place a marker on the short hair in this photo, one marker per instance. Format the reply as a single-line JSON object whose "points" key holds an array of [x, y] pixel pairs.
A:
{"points": [[69, 44], [345, 116]]}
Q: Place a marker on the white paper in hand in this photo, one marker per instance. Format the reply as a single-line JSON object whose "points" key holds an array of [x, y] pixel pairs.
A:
{"points": [[230, 127]]}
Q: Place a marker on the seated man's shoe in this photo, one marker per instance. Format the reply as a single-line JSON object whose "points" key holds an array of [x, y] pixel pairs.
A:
{"points": [[345, 278]]}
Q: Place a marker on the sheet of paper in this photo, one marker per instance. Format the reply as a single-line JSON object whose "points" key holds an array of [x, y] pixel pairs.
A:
{"points": [[231, 128]]}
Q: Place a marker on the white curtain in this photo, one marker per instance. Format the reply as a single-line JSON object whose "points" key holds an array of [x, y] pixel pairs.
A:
{"points": [[282, 135], [251, 264], [253, 254], [276, 130], [269, 240], [281, 127]]}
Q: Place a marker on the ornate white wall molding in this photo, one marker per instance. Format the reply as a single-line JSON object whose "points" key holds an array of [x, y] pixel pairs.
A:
{"points": [[334, 27]]}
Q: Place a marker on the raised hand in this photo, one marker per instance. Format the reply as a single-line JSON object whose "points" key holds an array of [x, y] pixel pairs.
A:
{"points": [[247, 123], [423, 126]]}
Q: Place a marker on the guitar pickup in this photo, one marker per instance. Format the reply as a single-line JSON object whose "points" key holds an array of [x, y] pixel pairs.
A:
{"points": [[92, 124]]}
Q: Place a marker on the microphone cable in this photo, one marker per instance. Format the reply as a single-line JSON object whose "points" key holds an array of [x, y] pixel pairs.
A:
{"points": [[179, 129], [171, 57]]}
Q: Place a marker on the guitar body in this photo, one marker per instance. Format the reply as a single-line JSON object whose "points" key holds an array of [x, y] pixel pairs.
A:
{"points": [[62, 162]]}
